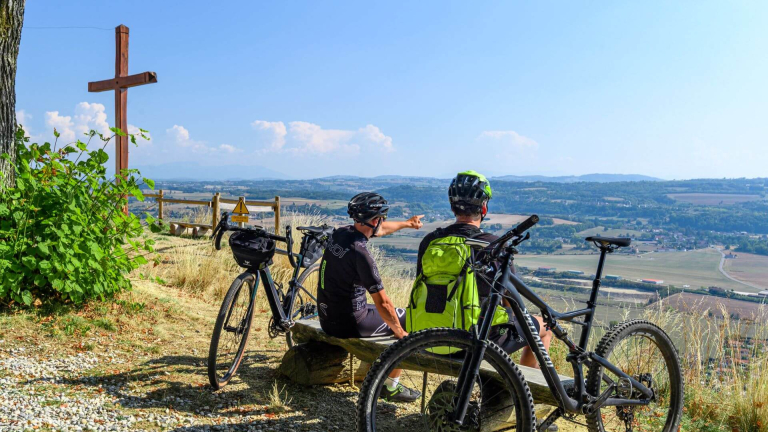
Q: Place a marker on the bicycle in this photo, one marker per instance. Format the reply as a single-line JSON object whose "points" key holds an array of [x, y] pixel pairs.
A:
{"points": [[253, 249], [634, 382]]}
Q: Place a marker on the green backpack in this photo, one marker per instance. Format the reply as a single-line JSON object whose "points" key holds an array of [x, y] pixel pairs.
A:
{"points": [[445, 293]]}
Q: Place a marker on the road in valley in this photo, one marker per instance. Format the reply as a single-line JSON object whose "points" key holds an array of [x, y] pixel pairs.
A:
{"points": [[722, 270]]}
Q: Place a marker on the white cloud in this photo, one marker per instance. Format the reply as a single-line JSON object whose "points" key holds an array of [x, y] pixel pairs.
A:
{"points": [[91, 116], [276, 129], [22, 117], [88, 116], [228, 148], [375, 135], [304, 138], [62, 124], [180, 134], [315, 139], [181, 137], [135, 131], [511, 139]]}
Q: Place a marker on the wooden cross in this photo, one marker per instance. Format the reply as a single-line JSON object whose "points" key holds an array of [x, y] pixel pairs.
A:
{"points": [[120, 84]]}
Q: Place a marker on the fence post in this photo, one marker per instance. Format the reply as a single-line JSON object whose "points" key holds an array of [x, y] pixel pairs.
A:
{"points": [[215, 210], [277, 215], [160, 204], [241, 224]]}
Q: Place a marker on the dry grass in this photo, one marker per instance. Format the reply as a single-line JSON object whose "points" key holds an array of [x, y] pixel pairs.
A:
{"points": [[731, 396], [397, 283], [719, 391], [198, 268], [279, 401]]}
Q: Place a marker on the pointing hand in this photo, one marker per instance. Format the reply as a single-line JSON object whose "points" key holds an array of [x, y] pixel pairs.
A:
{"points": [[415, 222]]}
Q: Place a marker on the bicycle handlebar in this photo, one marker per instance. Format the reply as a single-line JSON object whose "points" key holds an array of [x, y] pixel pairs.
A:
{"points": [[495, 247], [224, 225]]}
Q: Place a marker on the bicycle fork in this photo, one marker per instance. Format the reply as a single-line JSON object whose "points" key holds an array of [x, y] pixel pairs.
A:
{"points": [[470, 368]]}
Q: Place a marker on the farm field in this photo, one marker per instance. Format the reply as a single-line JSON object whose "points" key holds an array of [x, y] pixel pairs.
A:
{"points": [[713, 198], [404, 242], [510, 220], [749, 268], [695, 268], [608, 310], [688, 302], [611, 232]]}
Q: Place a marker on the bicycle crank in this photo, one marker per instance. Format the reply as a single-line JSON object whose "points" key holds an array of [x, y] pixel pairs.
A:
{"points": [[274, 329]]}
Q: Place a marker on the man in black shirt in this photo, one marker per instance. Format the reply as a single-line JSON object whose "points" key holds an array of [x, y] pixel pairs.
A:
{"points": [[348, 271], [469, 194]]}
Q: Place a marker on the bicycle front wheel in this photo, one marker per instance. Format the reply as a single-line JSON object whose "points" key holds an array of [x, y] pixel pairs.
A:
{"points": [[424, 397], [643, 351], [305, 303], [230, 334]]}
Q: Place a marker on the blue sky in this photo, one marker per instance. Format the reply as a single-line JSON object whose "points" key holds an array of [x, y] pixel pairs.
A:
{"points": [[309, 89]]}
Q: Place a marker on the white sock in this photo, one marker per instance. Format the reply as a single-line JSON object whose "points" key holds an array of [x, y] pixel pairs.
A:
{"points": [[391, 383]]}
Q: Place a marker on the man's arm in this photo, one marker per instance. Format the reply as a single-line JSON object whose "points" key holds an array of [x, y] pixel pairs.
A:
{"points": [[387, 312], [389, 227]]}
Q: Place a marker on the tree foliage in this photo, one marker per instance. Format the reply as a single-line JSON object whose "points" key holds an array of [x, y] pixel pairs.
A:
{"points": [[63, 234]]}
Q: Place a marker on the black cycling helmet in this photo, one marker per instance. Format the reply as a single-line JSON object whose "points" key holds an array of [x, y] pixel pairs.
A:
{"points": [[366, 206], [470, 187]]}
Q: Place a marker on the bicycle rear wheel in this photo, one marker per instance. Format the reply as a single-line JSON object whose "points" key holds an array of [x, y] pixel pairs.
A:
{"points": [[305, 303], [643, 351], [230, 334], [500, 400]]}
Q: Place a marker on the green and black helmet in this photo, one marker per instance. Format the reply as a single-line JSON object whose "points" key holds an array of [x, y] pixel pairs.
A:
{"points": [[470, 187]]}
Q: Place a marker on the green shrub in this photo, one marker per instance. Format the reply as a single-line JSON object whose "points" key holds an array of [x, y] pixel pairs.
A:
{"points": [[63, 235]]}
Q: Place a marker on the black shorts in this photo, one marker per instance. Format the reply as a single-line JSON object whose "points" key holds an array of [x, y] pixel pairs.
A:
{"points": [[370, 325], [510, 336]]}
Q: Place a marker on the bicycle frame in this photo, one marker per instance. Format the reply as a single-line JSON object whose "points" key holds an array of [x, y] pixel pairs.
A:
{"points": [[280, 311], [513, 289]]}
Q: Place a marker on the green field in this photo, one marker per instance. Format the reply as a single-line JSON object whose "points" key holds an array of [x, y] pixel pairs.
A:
{"points": [[601, 231], [714, 199], [695, 268]]}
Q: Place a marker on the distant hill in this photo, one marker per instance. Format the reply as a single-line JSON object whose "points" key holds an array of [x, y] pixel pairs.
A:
{"points": [[594, 178], [195, 172]]}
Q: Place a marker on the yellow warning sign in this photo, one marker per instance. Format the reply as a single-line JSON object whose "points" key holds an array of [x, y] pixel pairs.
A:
{"points": [[240, 208], [236, 218]]}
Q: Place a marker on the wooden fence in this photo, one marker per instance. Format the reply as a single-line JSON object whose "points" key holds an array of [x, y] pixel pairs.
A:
{"points": [[214, 204]]}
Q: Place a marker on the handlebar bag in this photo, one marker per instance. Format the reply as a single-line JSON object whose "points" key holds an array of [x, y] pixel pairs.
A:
{"points": [[252, 250]]}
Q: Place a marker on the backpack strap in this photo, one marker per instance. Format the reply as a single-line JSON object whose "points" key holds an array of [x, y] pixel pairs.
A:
{"points": [[411, 301], [459, 279]]}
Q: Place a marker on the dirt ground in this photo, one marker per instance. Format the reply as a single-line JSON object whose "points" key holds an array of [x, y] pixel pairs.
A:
{"points": [[146, 370]]}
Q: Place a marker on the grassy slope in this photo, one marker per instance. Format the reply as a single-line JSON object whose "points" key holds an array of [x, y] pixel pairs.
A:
{"points": [[695, 268]]}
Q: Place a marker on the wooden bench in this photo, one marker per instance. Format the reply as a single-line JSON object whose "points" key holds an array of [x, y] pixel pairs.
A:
{"points": [[323, 359], [179, 228]]}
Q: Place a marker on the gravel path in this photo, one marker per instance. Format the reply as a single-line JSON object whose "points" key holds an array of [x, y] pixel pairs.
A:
{"points": [[34, 394], [72, 393]]}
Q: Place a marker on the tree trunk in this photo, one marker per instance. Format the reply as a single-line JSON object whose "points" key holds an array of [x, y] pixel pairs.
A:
{"points": [[11, 21], [318, 363]]}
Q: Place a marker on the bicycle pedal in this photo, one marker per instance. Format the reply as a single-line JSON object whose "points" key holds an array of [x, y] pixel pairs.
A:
{"points": [[287, 324]]}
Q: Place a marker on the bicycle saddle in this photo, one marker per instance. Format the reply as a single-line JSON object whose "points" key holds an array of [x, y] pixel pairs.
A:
{"points": [[312, 229], [616, 241]]}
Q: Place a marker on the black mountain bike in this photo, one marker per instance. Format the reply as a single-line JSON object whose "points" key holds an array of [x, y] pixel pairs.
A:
{"points": [[253, 249], [634, 382]]}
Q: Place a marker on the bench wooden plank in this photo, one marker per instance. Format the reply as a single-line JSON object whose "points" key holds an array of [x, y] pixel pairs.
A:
{"points": [[369, 349]]}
